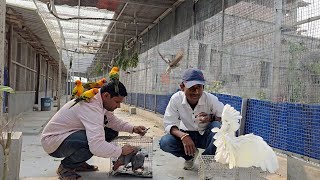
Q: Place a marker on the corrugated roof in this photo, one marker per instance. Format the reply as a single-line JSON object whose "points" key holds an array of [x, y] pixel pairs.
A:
{"points": [[34, 22]]}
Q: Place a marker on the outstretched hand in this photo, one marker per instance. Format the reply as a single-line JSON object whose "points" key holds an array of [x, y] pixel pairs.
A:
{"points": [[141, 130]]}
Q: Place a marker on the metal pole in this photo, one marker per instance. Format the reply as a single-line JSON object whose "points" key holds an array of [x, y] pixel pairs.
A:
{"points": [[2, 45], [219, 70]]}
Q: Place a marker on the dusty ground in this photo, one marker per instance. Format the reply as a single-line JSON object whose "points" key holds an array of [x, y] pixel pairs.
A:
{"points": [[156, 129]]}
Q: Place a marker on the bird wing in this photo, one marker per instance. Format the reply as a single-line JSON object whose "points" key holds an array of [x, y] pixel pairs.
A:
{"points": [[138, 160], [88, 85], [163, 58], [252, 150], [231, 117], [74, 92], [177, 59]]}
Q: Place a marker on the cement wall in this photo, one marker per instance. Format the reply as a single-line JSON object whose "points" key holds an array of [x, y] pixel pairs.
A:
{"points": [[21, 102], [14, 157]]}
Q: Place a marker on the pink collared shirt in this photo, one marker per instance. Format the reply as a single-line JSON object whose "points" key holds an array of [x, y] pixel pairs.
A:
{"points": [[88, 116]]}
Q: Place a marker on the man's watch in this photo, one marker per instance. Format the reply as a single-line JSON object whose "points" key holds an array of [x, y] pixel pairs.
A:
{"points": [[212, 117]]}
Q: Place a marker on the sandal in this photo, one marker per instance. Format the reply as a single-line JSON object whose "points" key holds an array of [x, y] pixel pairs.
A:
{"points": [[84, 167], [67, 174]]}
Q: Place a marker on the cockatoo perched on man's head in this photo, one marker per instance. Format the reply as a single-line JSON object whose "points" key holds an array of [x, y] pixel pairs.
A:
{"points": [[243, 151]]}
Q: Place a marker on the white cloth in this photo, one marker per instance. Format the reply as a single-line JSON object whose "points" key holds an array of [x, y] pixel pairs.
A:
{"points": [[180, 114]]}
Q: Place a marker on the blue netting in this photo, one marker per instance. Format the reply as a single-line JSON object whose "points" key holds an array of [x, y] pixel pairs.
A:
{"points": [[304, 130], [234, 101], [162, 102], [269, 121], [128, 98], [290, 127], [140, 100], [150, 101], [134, 99]]}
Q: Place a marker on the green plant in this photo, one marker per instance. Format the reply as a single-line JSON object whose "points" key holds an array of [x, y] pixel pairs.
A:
{"points": [[261, 95], [6, 127], [215, 86], [296, 87], [124, 61]]}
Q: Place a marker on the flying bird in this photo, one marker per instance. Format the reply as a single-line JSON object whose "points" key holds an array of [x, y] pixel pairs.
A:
{"points": [[244, 151], [172, 63], [78, 90], [114, 77], [86, 96], [97, 84]]}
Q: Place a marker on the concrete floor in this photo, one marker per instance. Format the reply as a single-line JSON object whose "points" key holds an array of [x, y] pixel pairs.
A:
{"points": [[37, 165]]}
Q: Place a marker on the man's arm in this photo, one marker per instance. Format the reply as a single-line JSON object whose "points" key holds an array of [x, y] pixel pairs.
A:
{"points": [[171, 124], [118, 124]]}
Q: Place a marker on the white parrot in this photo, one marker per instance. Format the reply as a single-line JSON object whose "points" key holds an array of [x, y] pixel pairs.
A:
{"points": [[243, 151]]}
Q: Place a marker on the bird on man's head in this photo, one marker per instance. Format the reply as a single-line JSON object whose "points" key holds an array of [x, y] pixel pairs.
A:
{"points": [[114, 77], [97, 84], [86, 96], [77, 90]]}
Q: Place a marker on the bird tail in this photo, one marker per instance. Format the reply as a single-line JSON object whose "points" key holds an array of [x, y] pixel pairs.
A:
{"points": [[75, 102]]}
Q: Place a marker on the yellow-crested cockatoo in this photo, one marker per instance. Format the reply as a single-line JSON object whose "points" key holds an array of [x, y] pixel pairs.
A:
{"points": [[244, 151], [172, 63], [78, 90], [97, 84], [86, 96], [114, 77]]}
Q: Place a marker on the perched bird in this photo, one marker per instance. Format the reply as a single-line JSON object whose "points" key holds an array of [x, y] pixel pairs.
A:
{"points": [[125, 159], [86, 96], [114, 77], [97, 84], [137, 161], [243, 151], [78, 90], [173, 63]]}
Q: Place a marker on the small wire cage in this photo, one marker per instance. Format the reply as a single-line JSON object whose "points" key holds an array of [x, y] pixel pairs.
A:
{"points": [[145, 143], [209, 169]]}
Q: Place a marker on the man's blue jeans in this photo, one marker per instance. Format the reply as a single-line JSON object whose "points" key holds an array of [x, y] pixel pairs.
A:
{"points": [[75, 148], [173, 145]]}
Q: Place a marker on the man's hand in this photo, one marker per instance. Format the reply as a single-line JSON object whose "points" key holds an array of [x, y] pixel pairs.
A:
{"points": [[141, 130], [188, 145], [127, 149], [203, 117]]}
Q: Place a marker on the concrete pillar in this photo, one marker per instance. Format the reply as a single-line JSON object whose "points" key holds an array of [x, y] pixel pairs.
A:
{"points": [[2, 44], [14, 156], [277, 52]]}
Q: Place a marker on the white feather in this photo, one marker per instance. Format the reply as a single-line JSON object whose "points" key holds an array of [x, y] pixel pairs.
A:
{"points": [[243, 151]]}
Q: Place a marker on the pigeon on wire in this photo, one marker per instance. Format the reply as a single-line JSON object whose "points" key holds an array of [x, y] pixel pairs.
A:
{"points": [[172, 63], [244, 151]]}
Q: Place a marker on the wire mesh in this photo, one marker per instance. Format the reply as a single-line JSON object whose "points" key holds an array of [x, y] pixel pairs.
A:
{"points": [[146, 145], [209, 169]]}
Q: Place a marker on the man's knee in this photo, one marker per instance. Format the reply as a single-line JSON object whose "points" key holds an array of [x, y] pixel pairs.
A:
{"points": [[214, 124], [166, 142]]}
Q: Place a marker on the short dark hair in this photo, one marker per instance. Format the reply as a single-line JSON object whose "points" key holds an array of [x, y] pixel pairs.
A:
{"points": [[110, 88]]}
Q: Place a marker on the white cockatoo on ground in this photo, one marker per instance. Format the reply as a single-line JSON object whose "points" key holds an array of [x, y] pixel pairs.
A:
{"points": [[244, 151]]}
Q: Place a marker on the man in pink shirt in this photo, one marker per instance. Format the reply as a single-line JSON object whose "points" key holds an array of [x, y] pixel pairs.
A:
{"points": [[78, 133]]}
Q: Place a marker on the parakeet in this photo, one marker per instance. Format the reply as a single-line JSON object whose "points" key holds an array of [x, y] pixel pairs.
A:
{"points": [[137, 161], [114, 76], [78, 90], [243, 151], [86, 96], [97, 84], [125, 160]]}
